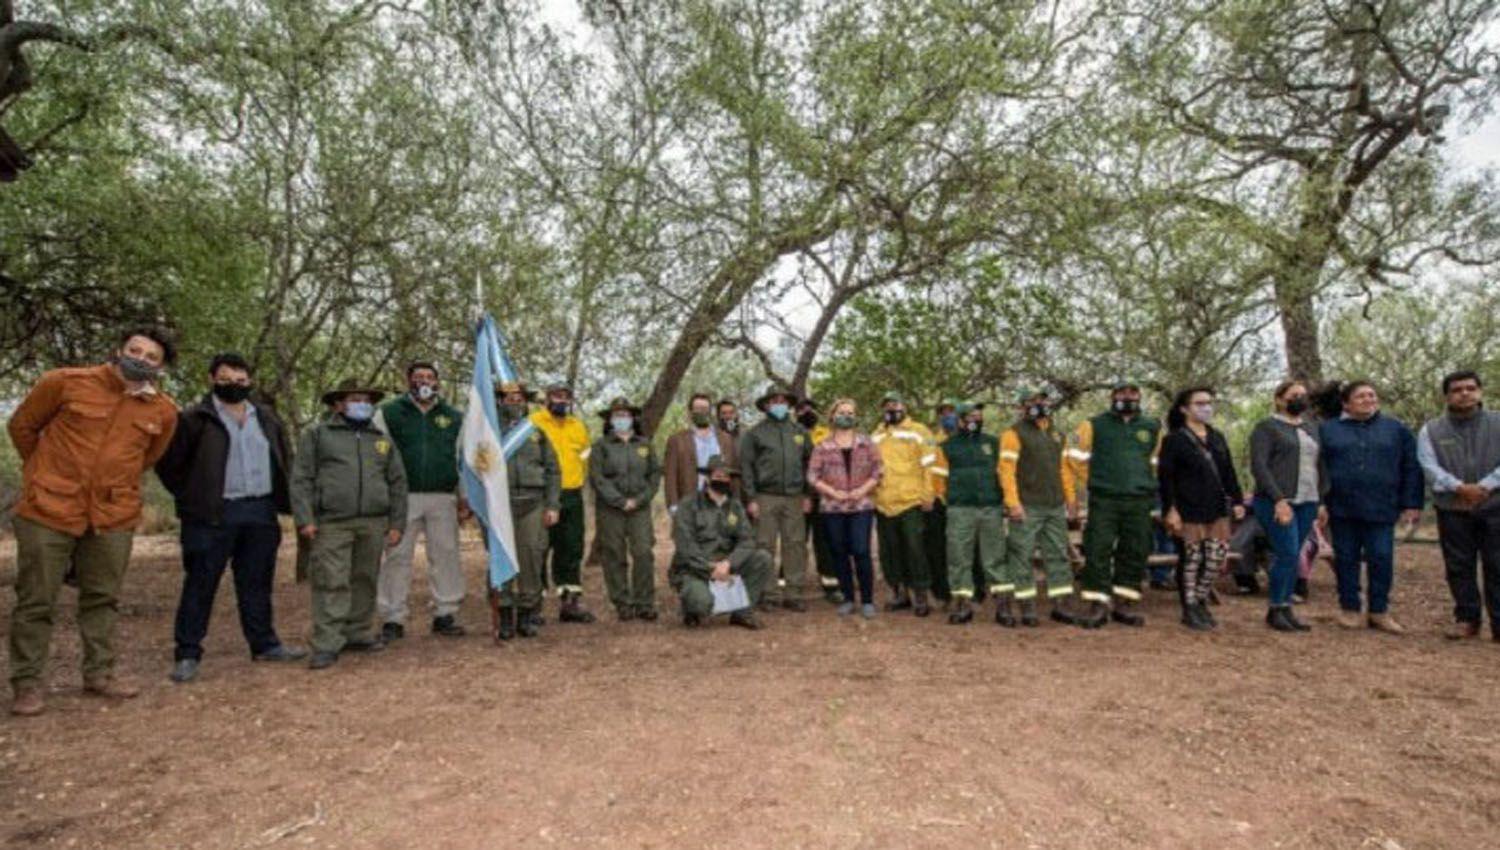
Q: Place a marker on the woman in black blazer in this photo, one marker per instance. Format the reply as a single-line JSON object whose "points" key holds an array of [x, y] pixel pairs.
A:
{"points": [[1199, 495]]}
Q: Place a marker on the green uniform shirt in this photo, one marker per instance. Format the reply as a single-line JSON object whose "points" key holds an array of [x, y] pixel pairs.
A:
{"points": [[532, 473], [973, 469], [1121, 457], [428, 443], [703, 532], [624, 469], [773, 458], [346, 472]]}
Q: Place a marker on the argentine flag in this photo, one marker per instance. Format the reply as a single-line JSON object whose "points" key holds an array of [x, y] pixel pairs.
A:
{"points": [[485, 449]]}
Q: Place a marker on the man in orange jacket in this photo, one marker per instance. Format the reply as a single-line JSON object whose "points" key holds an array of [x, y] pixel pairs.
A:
{"points": [[85, 436]]}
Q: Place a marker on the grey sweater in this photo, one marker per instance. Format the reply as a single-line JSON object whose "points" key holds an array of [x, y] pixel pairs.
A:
{"points": [[1275, 454]]}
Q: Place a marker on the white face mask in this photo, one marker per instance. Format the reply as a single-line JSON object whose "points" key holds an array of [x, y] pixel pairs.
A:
{"points": [[622, 424], [424, 392]]}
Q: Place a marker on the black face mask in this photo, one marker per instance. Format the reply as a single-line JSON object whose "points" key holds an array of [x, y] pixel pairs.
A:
{"points": [[231, 393], [721, 487], [808, 419], [1127, 406], [558, 408], [1038, 411], [894, 417], [1297, 406]]}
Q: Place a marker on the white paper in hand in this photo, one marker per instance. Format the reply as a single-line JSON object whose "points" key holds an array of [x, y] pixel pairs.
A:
{"points": [[729, 596]]}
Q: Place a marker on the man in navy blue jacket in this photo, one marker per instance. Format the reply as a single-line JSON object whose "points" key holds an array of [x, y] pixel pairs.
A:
{"points": [[1374, 480]]}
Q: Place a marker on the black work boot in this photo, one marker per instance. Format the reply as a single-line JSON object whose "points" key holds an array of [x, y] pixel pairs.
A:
{"points": [[1063, 611], [1276, 618], [919, 603], [745, 619], [1207, 615], [1004, 616], [1126, 613], [1094, 616], [1028, 613], [1192, 617], [524, 627], [900, 600], [392, 631], [691, 620], [963, 612], [505, 627], [446, 626], [572, 610]]}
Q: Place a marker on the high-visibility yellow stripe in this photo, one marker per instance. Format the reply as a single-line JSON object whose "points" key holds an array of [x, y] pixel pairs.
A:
{"points": [[962, 594], [1128, 593], [1002, 588], [1027, 593], [1010, 455], [1079, 455], [1054, 592], [1095, 596], [929, 459], [938, 470]]}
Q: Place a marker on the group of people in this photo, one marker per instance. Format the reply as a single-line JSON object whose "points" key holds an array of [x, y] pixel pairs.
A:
{"points": [[959, 513]]}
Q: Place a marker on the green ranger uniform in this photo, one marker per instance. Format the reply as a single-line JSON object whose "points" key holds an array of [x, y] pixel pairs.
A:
{"points": [[974, 511], [1035, 455], [535, 482], [702, 533], [774, 457], [621, 470], [1116, 458], [428, 441], [348, 481]]}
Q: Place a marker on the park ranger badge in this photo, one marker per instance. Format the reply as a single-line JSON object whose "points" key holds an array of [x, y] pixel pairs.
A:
{"points": [[797, 438], [382, 447], [1143, 436], [443, 421], [643, 451], [732, 520]]}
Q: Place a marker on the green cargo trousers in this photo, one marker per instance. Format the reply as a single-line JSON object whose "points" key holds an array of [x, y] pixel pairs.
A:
{"points": [[697, 599], [43, 556], [1044, 531], [565, 541], [903, 558], [966, 526], [345, 565], [525, 589], [1116, 544], [632, 586], [780, 520]]}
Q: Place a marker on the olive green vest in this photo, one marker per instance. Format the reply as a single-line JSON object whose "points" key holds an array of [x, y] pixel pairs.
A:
{"points": [[1039, 470]]}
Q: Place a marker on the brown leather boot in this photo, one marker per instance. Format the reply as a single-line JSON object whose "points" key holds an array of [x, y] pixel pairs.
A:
{"points": [[1461, 631], [111, 688], [28, 702], [919, 605]]}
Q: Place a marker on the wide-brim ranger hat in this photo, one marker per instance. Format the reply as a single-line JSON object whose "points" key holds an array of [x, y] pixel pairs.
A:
{"points": [[505, 388], [1125, 383], [620, 403], [764, 400], [351, 386], [559, 387], [892, 397], [1025, 394]]}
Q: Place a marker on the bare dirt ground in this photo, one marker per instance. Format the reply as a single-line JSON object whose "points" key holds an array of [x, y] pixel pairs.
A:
{"points": [[811, 733]]}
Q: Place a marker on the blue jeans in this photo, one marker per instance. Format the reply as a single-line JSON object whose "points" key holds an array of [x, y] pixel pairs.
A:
{"points": [[246, 539], [1374, 543], [1286, 544], [849, 541]]}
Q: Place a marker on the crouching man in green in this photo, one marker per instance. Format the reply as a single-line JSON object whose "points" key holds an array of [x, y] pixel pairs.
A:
{"points": [[349, 500], [713, 541]]}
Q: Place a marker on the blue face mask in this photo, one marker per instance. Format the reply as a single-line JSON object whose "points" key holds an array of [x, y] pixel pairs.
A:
{"points": [[778, 411], [359, 411], [949, 421], [621, 424]]}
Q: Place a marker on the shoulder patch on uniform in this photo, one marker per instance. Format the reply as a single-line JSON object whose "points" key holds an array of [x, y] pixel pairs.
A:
{"points": [[797, 438], [442, 421], [1143, 435], [732, 520], [382, 447], [643, 451]]}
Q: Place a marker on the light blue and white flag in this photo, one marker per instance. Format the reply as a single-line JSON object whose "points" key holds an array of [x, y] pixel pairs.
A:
{"points": [[485, 449]]}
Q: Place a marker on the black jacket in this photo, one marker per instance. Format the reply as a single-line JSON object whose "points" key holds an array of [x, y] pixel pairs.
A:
{"points": [[193, 467], [1202, 487]]}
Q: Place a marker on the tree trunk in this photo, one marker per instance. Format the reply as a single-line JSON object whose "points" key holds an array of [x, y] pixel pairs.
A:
{"points": [[1299, 323]]}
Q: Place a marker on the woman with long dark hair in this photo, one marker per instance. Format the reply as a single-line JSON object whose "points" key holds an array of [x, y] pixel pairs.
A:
{"points": [[1199, 494]]}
